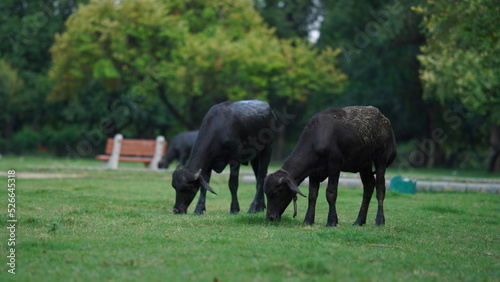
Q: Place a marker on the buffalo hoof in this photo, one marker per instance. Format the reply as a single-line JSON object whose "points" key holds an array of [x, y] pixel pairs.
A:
{"points": [[199, 211], [379, 220], [178, 211], [308, 222], [359, 222], [256, 210]]}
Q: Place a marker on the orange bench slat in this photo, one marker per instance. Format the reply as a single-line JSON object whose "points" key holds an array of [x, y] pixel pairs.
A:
{"points": [[133, 150], [135, 159], [131, 147]]}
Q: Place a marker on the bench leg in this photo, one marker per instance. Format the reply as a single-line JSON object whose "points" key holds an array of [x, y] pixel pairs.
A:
{"points": [[115, 155], [160, 140]]}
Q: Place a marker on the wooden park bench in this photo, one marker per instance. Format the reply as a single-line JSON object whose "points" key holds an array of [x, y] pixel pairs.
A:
{"points": [[149, 152]]}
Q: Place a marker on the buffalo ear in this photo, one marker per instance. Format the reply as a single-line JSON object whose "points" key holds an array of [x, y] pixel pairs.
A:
{"points": [[293, 187], [205, 186]]}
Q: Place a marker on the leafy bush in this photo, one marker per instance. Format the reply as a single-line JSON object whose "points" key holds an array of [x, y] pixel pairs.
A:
{"points": [[3, 146], [25, 141], [58, 141]]}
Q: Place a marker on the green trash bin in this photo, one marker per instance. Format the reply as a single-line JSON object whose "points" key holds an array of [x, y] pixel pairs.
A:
{"points": [[403, 185]]}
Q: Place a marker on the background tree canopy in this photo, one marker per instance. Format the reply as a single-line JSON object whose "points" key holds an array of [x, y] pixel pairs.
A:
{"points": [[379, 42], [461, 58], [76, 69], [187, 55], [27, 31]]}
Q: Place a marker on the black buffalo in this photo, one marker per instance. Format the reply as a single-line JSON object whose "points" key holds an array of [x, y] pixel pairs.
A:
{"points": [[179, 148], [231, 133], [351, 139]]}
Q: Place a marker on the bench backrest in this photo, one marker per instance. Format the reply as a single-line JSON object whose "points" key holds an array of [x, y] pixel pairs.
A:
{"points": [[135, 147]]}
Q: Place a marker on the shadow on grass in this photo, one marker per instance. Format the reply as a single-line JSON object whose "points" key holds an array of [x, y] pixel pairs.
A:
{"points": [[442, 209], [260, 220]]}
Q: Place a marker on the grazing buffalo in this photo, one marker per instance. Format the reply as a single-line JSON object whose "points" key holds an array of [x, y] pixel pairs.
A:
{"points": [[179, 148], [231, 133], [351, 139]]}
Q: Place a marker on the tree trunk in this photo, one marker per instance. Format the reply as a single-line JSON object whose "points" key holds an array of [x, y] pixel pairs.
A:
{"points": [[280, 144], [278, 149], [163, 97], [425, 145], [494, 159], [9, 126]]}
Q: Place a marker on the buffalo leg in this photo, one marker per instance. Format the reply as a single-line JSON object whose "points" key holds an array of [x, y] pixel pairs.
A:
{"points": [[380, 186], [233, 187], [200, 206], [331, 197], [259, 166], [183, 158], [313, 195], [368, 187]]}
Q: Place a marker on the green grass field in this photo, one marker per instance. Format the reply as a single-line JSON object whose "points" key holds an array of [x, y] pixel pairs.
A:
{"points": [[118, 226]]}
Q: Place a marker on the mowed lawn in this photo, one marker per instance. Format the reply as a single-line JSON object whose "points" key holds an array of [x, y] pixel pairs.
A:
{"points": [[118, 226]]}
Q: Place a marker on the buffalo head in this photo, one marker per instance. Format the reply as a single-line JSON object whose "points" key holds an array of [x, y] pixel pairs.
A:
{"points": [[280, 188], [186, 184]]}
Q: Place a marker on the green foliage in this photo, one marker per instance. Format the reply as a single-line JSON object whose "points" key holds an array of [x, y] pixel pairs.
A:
{"points": [[58, 140], [10, 86], [26, 33], [153, 67], [114, 48], [254, 68], [189, 55], [234, 16], [10, 83], [462, 54], [290, 18], [25, 140], [379, 42]]}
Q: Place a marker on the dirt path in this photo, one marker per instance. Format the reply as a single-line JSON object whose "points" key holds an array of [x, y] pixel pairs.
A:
{"points": [[40, 175], [434, 186]]}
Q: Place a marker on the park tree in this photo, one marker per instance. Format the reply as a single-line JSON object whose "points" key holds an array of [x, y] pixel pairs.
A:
{"points": [[295, 19], [291, 18], [460, 61], [184, 55], [10, 86], [379, 42], [27, 31]]}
